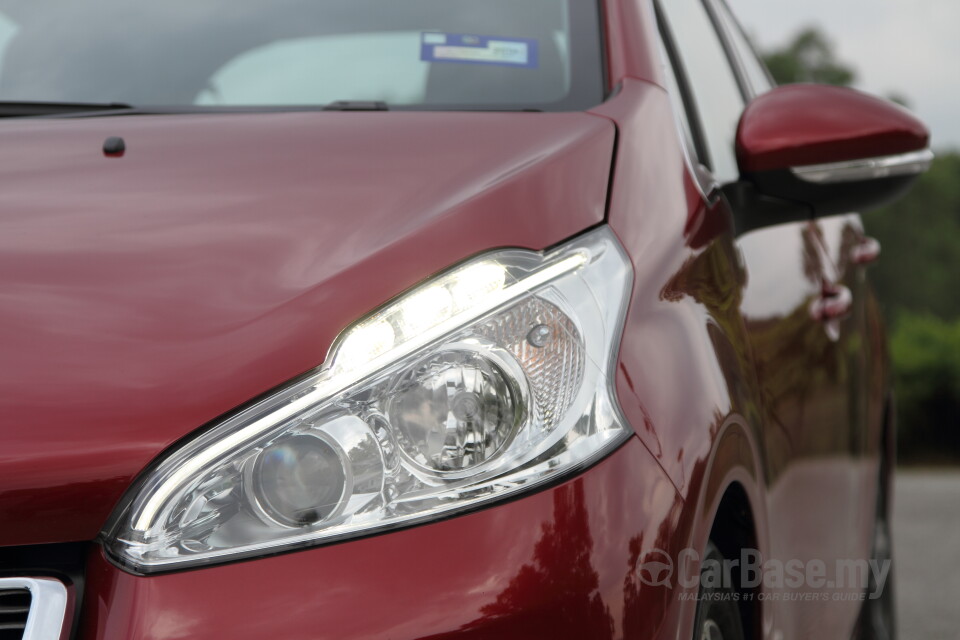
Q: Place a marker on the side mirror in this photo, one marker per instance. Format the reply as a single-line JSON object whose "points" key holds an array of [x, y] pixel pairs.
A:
{"points": [[827, 150]]}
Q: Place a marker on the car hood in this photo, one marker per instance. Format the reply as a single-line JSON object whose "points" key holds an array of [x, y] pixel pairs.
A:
{"points": [[145, 296]]}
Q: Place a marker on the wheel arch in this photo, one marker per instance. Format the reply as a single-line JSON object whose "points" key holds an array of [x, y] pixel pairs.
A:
{"points": [[731, 509]]}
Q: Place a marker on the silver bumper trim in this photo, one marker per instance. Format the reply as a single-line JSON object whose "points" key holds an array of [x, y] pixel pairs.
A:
{"points": [[48, 606]]}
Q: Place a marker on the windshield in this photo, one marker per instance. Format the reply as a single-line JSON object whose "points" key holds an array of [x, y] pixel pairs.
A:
{"points": [[457, 54]]}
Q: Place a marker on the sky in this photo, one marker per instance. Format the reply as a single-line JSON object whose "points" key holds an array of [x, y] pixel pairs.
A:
{"points": [[907, 47]]}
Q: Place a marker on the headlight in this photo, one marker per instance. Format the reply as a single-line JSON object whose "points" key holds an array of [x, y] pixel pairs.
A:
{"points": [[489, 380]]}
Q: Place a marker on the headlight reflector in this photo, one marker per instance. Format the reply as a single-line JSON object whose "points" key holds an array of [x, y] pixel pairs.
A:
{"points": [[455, 410]]}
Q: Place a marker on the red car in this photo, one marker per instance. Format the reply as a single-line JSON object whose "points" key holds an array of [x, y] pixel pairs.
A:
{"points": [[436, 319]]}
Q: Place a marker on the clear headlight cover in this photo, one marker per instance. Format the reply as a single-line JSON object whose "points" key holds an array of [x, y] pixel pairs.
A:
{"points": [[486, 381]]}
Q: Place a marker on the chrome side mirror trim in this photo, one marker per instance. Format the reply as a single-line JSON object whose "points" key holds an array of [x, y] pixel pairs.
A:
{"points": [[48, 606], [906, 164]]}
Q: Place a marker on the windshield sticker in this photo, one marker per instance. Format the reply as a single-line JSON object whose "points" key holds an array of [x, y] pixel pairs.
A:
{"points": [[490, 50]]}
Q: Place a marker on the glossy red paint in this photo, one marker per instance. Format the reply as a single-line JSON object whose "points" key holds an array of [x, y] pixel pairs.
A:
{"points": [[668, 353], [685, 379], [717, 346], [144, 296], [561, 563], [630, 27], [802, 124]]}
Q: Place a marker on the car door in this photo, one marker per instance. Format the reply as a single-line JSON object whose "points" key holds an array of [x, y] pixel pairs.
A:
{"points": [[810, 430]]}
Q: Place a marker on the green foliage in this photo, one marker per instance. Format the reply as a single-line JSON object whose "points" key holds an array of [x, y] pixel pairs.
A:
{"points": [[920, 234], [925, 350], [918, 282], [809, 58]]}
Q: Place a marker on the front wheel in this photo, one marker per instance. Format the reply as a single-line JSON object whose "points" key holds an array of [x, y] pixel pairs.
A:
{"points": [[718, 614]]}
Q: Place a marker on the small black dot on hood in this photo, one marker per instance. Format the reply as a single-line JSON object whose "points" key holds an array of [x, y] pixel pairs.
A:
{"points": [[114, 146]]}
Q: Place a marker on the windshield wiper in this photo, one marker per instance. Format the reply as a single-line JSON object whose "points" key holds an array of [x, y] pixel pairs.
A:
{"points": [[356, 105], [15, 109]]}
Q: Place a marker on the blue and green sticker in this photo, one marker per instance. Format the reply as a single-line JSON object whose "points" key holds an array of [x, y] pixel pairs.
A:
{"points": [[459, 48]]}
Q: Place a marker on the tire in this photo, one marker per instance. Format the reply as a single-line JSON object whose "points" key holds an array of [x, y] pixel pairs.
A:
{"points": [[718, 611], [878, 620]]}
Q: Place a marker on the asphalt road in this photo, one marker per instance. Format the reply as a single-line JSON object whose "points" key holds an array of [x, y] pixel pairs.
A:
{"points": [[926, 530]]}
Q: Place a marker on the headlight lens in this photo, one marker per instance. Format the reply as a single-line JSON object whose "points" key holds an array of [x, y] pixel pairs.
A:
{"points": [[483, 382], [299, 480]]}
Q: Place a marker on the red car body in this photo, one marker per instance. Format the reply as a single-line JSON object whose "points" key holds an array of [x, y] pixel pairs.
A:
{"points": [[146, 296]]}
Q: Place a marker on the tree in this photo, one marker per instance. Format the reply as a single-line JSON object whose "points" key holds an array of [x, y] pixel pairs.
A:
{"points": [[810, 57]]}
